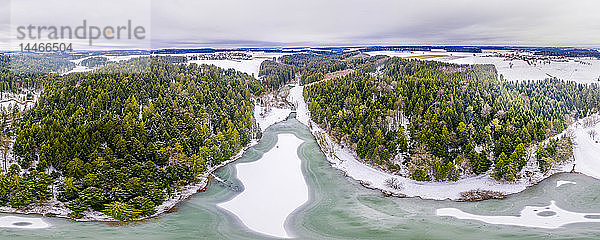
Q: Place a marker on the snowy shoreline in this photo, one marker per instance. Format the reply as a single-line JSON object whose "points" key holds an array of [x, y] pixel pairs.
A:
{"points": [[58, 209], [343, 159], [264, 118]]}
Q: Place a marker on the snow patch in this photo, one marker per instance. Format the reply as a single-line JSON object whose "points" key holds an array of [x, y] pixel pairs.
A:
{"points": [[561, 182], [586, 149], [274, 187], [267, 117], [550, 217], [79, 68], [22, 222], [112, 58]]}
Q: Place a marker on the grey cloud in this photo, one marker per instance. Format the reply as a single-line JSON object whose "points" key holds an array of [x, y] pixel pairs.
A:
{"points": [[275, 23]]}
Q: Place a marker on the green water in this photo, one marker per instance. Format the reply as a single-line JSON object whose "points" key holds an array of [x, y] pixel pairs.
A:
{"points": [[340, 208]]}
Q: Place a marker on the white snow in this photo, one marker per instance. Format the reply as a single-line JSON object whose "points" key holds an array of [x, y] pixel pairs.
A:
{"points": [[586, 150], [251, 67], [550, 217], [79, 68], [561, 182], [122, 58], [404, 54], [571, 69], [296, 98], [22, 222], [9, 100], [79, 60], [274, 187], [267, 118], [268, 55]]}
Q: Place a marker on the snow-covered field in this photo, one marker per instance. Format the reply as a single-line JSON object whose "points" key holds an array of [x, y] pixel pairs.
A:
{"points": [[274, 187], [22, 222], [268, 55], [404, 54], [251, 67], [122, 58], [550, 217], [79, 69], [586, 72]]}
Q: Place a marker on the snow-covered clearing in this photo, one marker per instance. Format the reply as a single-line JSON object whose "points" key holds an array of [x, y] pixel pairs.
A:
{"points": [[583, 70], [550, 217], [274, 187], [22, 222], [79, 68], [9, 100], [251, 67], [586, 149], [267, 117]]}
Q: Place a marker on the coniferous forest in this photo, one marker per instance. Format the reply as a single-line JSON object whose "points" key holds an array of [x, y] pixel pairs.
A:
{"points": [[121, 139], [441, 121]]}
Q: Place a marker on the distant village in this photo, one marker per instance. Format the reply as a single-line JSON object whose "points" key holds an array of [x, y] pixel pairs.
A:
{"points": [[533, 59]]}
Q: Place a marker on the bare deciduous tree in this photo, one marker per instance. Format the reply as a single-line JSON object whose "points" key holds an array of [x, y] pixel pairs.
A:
{"points": [[592, 133], [394, 183], [5, 147], [486, 110]]}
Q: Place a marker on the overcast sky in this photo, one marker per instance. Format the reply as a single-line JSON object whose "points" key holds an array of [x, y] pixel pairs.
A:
{"points": [[284, 23]]}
